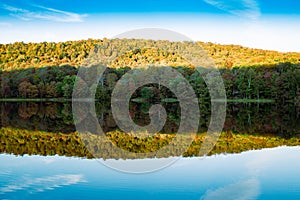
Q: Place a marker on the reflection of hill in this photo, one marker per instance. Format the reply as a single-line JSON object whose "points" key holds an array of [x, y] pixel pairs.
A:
{"points": [[20, 142], [279, 120], [49, 116]]}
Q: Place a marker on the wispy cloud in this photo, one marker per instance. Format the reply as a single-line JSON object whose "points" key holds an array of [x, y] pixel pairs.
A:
{"points": [[33, 185], [245, 190], [243, 8], [4, 173], [43, 13]]}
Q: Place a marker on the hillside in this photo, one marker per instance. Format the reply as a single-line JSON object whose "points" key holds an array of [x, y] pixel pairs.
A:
{"points": [[48, 70], [21, 55], [227, 56]]}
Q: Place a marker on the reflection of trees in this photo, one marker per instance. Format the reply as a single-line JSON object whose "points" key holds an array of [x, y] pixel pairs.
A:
{"points": [[20, 142], [280, 120], [48, 116], [26, 110]]}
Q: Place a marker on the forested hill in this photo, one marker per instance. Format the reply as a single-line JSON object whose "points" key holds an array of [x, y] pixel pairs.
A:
{"points": [[21, 55]]}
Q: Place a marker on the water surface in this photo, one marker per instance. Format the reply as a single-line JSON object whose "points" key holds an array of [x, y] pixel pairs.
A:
{"points": [[265, 174], [42, 157]]}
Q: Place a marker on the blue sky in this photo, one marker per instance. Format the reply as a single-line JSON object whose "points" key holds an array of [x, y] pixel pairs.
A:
{"points": [[255, 23], [117, 6]]}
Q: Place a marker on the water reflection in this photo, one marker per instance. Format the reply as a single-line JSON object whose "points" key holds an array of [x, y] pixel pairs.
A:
{"points": [[48, 129], [247, 189], [250, 175], [281, 120]]}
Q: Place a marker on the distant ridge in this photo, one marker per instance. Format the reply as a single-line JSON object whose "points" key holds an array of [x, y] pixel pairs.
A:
{"points": [[20, 55]]}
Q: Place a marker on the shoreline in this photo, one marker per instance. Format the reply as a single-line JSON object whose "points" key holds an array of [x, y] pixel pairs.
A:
{"points": [[134, 100]]}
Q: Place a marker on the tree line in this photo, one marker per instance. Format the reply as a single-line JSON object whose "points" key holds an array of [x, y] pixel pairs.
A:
{"points": [[280, 82]]}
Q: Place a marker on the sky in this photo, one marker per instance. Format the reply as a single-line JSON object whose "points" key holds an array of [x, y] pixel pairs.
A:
{"points": [[264, 24]]}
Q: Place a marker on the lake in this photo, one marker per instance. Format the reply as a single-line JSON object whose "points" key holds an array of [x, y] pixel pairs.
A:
{"points": [[43, 156]]}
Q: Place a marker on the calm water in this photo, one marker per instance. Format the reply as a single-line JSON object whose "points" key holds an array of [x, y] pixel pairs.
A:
{"points": [[56, 168], [265, 174]]}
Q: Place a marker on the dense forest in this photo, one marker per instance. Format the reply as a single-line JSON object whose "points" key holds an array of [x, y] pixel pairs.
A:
{"points": [[48, 70], [280, 82], [22, 55]]}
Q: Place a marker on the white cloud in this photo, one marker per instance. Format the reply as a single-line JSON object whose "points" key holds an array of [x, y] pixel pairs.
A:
{"points": [[13, 9], [245, 190], [244, 8], [44, 13], [33, 185]]}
